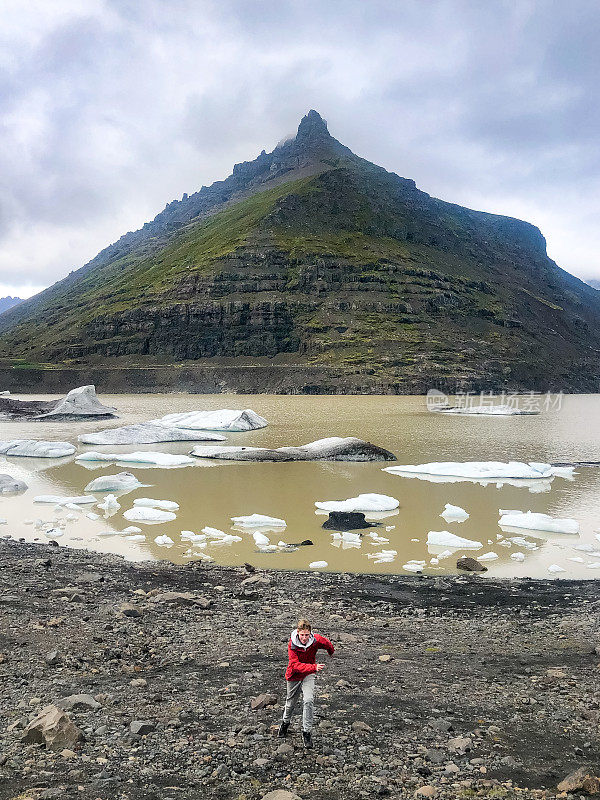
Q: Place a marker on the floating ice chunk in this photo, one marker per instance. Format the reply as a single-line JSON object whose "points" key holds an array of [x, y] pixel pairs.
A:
{"points": [[164, 541], [488, 556], [348, 536], [584, 548], [364, 503], [137, 537], [434, 561], [479, 470], [63, 501], [214, 532], [142, 514], [454, 513], [71, 517], [594, 565], [499, 410], [412, 566], [447, 539], [147, 433], [224, 419], [80, 402], [122, 482], [258, 520], [380, 553], [577, 559], [92, 515], [377, 539], [505, 543], [53, 533], [190, 536], [110, 504], [261, 539], [555, 568], [390, 528], [36, 449], [148, 459], [318, 565], [539, 522], [521, 542], [518, 556], [165, 505], [132, 529]]}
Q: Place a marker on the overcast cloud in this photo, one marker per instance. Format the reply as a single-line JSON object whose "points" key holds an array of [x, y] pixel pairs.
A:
{"points": [[109, 109]]}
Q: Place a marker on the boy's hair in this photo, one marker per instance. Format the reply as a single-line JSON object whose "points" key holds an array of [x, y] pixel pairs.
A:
{"points": [[304, 624]]}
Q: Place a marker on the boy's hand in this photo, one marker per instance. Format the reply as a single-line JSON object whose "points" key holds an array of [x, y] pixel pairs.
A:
{"points": [[320, 667]]}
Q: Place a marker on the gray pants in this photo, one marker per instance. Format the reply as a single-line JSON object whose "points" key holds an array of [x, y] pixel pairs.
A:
{"points": [[307, 687]]}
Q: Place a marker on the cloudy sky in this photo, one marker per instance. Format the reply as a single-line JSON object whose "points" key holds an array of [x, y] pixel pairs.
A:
{"points": [[109, 109]]}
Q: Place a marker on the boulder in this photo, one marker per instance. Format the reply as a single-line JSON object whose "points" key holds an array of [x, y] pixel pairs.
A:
{"points": [[53, 728], [334, 448], [142, 727], [78, 702], [262, 701], [582, 780], [182, 599], [346, 521], [10, 485], [470, 564]]}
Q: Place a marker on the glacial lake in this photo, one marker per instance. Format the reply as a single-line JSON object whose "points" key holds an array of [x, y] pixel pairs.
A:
{"points": [[209, 493]]}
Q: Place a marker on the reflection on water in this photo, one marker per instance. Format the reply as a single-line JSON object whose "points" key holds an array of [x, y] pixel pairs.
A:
{"points": [[209, 493]]}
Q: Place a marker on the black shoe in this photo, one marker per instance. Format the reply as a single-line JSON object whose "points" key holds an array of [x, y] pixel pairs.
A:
{"points": [[307, 740], [283, 729]]}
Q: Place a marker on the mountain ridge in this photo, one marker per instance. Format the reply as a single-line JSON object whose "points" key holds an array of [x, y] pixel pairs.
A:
{"points": [[313, 254]]}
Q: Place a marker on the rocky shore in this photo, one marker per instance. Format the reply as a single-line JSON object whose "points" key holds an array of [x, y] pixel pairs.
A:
{"points": [[168, 682]]}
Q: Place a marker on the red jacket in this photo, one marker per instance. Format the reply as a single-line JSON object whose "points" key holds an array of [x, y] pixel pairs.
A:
{"points": [[301, 660]]}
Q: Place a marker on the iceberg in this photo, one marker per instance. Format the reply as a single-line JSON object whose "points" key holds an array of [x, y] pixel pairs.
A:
{"points": [[80, 403], [122, 482], [500, 410], [334, 448], [33, 448], [145, 458], [363, 502], [165, 505], [482, 470], [63, 501], [413, 566], [10, 485], [537, 522], [491, 556], [258, 521], [348, 536], [190, 536], [447, 539], [164, 541], [260, 539], [147, 433], [555, 568], [224, 419], [132, 529], [318, 565], [142, 514], [454, 513], [110, 504], [518, 556]]}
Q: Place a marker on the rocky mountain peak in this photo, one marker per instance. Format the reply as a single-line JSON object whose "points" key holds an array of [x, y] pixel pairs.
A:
{"points": [[312, 128]]}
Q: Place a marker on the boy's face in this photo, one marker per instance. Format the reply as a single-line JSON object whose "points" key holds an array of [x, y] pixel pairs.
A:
{"points": [[303, 635]]}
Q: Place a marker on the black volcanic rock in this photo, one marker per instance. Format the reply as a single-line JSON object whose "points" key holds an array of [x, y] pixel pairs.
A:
{"points": [[347, 521]]}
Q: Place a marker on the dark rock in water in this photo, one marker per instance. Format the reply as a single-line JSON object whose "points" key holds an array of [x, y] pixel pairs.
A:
{"points": [[470, 564], [10, 485], [347, 521]]}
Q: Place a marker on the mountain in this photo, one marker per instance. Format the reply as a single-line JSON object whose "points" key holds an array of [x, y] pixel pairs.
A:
{"points": [[310, 256], [8, 302], [595, 284]]}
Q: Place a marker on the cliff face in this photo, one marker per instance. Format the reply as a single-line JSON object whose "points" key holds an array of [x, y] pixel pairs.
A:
{"points": [[311, 255]]}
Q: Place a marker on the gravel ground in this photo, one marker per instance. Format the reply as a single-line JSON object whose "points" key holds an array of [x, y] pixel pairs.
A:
{"points": [[439, 687]]}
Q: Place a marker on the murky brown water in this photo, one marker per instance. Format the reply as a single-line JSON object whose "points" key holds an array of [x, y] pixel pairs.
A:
{"points": [[209, 493]]}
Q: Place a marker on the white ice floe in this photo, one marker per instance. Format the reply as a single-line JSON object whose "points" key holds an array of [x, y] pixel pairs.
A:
{"points": [[318, 564], [34, 448], [142, 514], [165, 505], [454, 513], [164, 541], [63, 501], [520, 541], [148, 459], [500, 410], [214, 532], [491, 556], [92, 515], [110, 504], [224, 419], [413, 566], [482, 470], [137, 537], [347, 536], [260, 539], [390, 528], [53, 533], [377, 539], [132, 529], [147, 433], [594, 565], [190, 536], [447, 539], [363, 503], [577, 559], [80, 402], [518, 556], [554, 568], [122, 482], [539, 522], [258, 521]]}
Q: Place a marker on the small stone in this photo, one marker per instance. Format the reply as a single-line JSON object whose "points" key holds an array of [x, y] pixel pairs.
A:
{"points": [[52, 658], [142, 728], [285, 749], [361, 727], [426, 791], [460, 745], [263, 700], [129, 610], [385, 658], [78, 702], [138, 683]]}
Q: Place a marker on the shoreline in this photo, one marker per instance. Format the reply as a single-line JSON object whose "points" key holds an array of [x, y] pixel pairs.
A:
{"points": [[490, 688]]}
